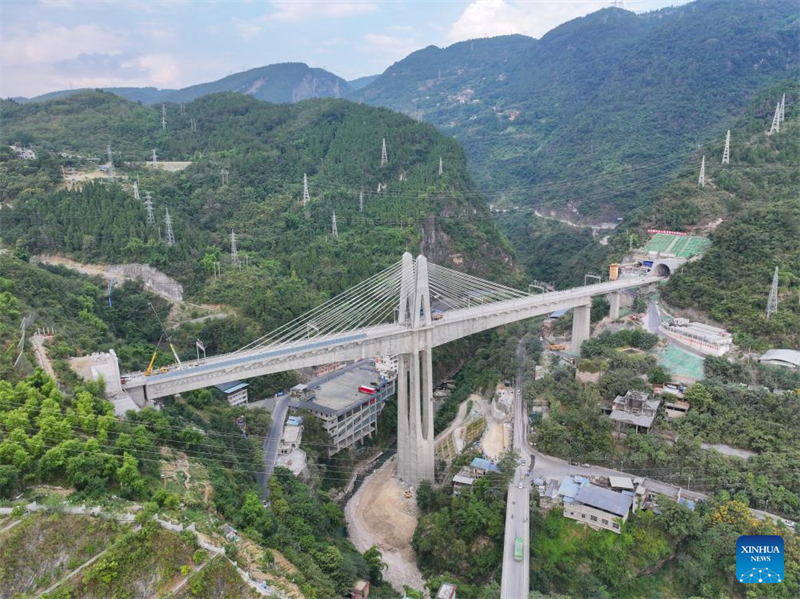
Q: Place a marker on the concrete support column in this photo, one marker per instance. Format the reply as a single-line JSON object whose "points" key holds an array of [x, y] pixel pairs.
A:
{"points": [[581, 319], [402, 416], [614, 300]]}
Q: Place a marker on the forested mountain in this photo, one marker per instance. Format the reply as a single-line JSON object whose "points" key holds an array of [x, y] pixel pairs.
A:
{"points": [[283, 82], [600, 109], [293, 260]]}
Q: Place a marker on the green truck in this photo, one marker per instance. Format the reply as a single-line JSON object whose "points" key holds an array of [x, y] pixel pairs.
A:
{"points": [[519, 547]]}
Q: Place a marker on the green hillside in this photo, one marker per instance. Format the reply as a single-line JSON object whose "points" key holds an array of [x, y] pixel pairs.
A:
{"points": [[293, 260], [600, 109]]}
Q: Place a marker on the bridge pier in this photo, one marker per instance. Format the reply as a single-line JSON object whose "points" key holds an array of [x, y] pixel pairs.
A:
{"points": [[581, 319], [614, 299]]}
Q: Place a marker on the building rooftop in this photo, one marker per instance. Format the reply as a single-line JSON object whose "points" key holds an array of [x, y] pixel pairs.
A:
{"points": [[338, 391], [446, 591], [294, 420], [634, 419], [291, 434], [700, 330], [787, 357], [620, 482], [462, 479], [482, 464], [604, 499], [294, 461], [570, 486], [232, 387]]}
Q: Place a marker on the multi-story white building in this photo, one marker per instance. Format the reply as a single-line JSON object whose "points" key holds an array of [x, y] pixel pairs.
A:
{"points": [[599, 507], [235, 392], [347, 402], [700, 337]]}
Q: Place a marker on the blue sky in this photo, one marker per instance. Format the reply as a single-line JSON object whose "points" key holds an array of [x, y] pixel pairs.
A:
{"points": [[48, 45]]}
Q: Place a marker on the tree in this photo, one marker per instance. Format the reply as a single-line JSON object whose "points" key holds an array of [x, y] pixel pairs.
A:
{"points": [[699, 396], [8, 480], [131, 483], [374, 560], [426, 496]]}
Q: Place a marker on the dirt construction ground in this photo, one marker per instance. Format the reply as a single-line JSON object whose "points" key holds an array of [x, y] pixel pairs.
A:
{"points": [[494, 442], [379, 514]]}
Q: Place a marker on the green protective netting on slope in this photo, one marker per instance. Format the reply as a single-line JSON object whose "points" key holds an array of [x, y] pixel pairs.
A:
{"points": [[681, 363]]}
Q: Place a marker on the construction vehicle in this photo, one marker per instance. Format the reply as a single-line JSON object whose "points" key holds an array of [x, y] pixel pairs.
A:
{"points": [[557, 346]]}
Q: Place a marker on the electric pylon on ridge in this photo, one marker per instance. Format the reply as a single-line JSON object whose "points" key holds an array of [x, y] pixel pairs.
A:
{"points": [[726, 155], [110, 162], [155, 159], [783, 108], [136, 191], [772, 302], [234, 252], [361, 201], [701, 181], [164, 117], [441, 166], [148, 204], [776, 120], [168, 226], [384, 156], [334, 229], [306, 196]]}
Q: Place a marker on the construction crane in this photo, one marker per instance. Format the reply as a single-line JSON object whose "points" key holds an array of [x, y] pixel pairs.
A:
{"points": [[164, 335]]}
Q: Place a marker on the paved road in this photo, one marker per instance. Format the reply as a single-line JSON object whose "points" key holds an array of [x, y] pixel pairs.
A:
{"points": [[272, 442], [516, 573]]}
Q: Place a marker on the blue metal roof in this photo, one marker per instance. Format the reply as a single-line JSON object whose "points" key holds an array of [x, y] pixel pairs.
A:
{"points": [[294, 420], [485, 465], [232, 387], [569, 487]]}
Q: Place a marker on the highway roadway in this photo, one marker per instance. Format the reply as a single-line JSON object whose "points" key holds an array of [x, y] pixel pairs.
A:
{"points": [[272, 443], [516, 573]]}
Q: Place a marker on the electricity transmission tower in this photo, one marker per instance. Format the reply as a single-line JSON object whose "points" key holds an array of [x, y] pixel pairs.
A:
{"points": [[776, 120], [168, 226], [110, 162], [193, 123], [224, 174], [783, 108], [234, 252], [772, 302], [334, 229], [164, 117], [182, 109], [306, 196], [136, 191], [441, 166], [361, 201], [726, 155], [701, 181], [155, 159], [384, 157], [148, 204]]}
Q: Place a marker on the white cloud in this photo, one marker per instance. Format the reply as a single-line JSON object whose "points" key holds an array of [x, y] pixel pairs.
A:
{"points": [[162, 70], [386, 47], [247, 30], [486, 18], [297, 10], [55, 42]]}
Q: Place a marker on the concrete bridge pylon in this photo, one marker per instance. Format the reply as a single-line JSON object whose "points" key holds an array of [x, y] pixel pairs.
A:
{"points": [[415, 439]]}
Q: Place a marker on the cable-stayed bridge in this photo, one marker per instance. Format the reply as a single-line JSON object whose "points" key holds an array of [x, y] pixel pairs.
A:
{"points": [[405, 310]]}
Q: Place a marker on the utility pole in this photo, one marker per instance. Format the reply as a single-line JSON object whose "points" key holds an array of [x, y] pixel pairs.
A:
{"points": [[384, 156], [772, 302], [163, 117], [441, 167], [148, 204], [110, 162], [334, 230], [726, 155], [776, 120], [701, 181], [155, 159], [234, 253], [361, 201], [136, 191], [168, 226], [306, 196]]}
